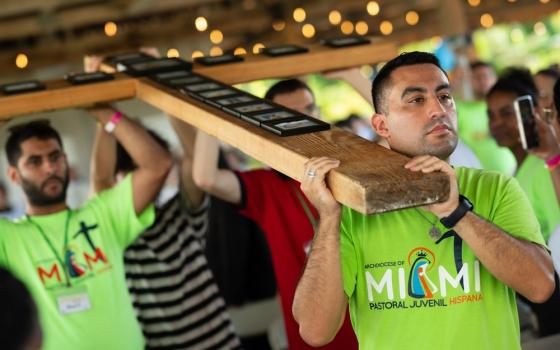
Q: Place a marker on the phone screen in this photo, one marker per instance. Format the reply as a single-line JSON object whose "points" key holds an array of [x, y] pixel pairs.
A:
{"points": [[525, 113]]}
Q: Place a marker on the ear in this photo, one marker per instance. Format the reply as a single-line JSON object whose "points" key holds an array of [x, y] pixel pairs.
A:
{"points": [[13, 175], [379, 124]]}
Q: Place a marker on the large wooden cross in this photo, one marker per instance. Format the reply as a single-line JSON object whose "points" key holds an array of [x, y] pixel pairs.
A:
{"points": [[370, 179]]}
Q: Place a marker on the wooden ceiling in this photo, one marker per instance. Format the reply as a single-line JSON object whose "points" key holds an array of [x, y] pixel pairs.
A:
{"points": [[54, 31]]}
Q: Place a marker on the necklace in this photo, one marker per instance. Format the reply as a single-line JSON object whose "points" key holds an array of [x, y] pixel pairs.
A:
{"points": [[433, 232], [65, 267]]}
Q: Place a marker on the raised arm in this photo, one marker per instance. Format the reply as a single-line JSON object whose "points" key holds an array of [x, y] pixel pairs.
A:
{"points": [[104, 154], [206, 174], [103, 161], [498, 251], [187, 136], [153, 161], [318, 325]]}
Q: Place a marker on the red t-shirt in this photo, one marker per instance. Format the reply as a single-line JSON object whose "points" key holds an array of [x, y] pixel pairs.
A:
{"points": [[270, 200]]}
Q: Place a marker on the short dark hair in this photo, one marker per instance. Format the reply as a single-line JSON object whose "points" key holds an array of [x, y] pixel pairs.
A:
{"points": [[480, 64], [125, 163], [285, 87], [557, 96], [20, 133], [381, 81], [550, 73], [19, 319], [518, 81]]}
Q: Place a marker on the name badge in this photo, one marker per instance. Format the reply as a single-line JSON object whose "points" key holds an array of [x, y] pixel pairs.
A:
{"points": [[73, 301]]}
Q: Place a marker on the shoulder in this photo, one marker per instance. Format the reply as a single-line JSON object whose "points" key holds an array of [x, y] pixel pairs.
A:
{"points": [[489, 190], [470, 179]]}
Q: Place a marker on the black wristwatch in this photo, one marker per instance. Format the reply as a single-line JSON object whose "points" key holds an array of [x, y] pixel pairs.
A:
{"points": [[465, 205]]}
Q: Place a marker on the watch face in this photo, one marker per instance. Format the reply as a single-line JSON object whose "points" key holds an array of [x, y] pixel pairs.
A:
{"points": [[466, 202], [464, 206]]}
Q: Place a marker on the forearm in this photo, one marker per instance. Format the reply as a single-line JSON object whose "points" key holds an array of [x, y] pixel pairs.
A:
{"points": [[205, 160], [152, 160], [361, 84], [218, 182], [522, 265], [321, 284], [103, 160], [146, 153], [187, 136]]}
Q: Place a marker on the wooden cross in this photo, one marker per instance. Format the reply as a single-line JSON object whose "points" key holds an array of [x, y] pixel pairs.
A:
{"points": [[370, 179]]}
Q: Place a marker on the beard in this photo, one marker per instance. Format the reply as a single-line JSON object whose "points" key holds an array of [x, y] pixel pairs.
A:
{"points": [[36, 193], [444, 147]]}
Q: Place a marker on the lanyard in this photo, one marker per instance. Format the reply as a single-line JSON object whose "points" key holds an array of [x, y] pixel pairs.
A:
{"points": [[306, 208], [62, 265]]}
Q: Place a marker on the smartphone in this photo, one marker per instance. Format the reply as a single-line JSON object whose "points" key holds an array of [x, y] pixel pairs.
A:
{"points": [[525, 113]]}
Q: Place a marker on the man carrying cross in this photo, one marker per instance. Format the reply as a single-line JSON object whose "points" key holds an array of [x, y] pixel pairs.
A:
{"points": [[439, 277]]}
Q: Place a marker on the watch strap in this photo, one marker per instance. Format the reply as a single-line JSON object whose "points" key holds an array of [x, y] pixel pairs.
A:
{"points": [[464, 206]]}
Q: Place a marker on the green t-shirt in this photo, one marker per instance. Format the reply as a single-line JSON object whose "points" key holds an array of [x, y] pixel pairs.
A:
{"points": [[474, 131], [98, 234], [534, 178], [407, 292]]}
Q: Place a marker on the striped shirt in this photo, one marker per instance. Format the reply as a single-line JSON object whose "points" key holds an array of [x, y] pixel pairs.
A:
{"points": [[172, 288]]}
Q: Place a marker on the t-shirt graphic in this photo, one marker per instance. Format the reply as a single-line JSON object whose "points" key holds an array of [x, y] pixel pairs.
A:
{"points": [[408, 290], [82, 259]]}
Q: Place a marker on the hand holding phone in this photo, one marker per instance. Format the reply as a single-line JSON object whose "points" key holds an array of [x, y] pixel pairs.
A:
{"points": [[525, 113]]}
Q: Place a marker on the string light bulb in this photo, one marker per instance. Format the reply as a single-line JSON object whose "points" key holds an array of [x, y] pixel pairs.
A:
{"points": [[21, 60], [362, 28], [373, 8], [239, 51], [386, 27], [172, 53], [216, 36], [279, 25], [335, 17], [299, 15], [201, 24], [347, 27], [110, 29], [412, 18], [216, 51], [308, 30], [197, 54], [257, 48], [486, 20]]}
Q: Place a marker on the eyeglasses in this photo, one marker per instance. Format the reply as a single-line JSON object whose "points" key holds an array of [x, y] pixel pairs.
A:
{"points": [[20, 127]]}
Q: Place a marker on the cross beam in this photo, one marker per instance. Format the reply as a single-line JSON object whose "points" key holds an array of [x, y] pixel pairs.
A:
{"points": [[370, 179]]}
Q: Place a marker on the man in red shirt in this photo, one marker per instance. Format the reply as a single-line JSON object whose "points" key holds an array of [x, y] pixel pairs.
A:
{"points": [[276, 203]]}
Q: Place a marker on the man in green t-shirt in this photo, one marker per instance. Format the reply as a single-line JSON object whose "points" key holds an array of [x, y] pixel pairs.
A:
{"points": [[72, 259], [439, 277]]}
